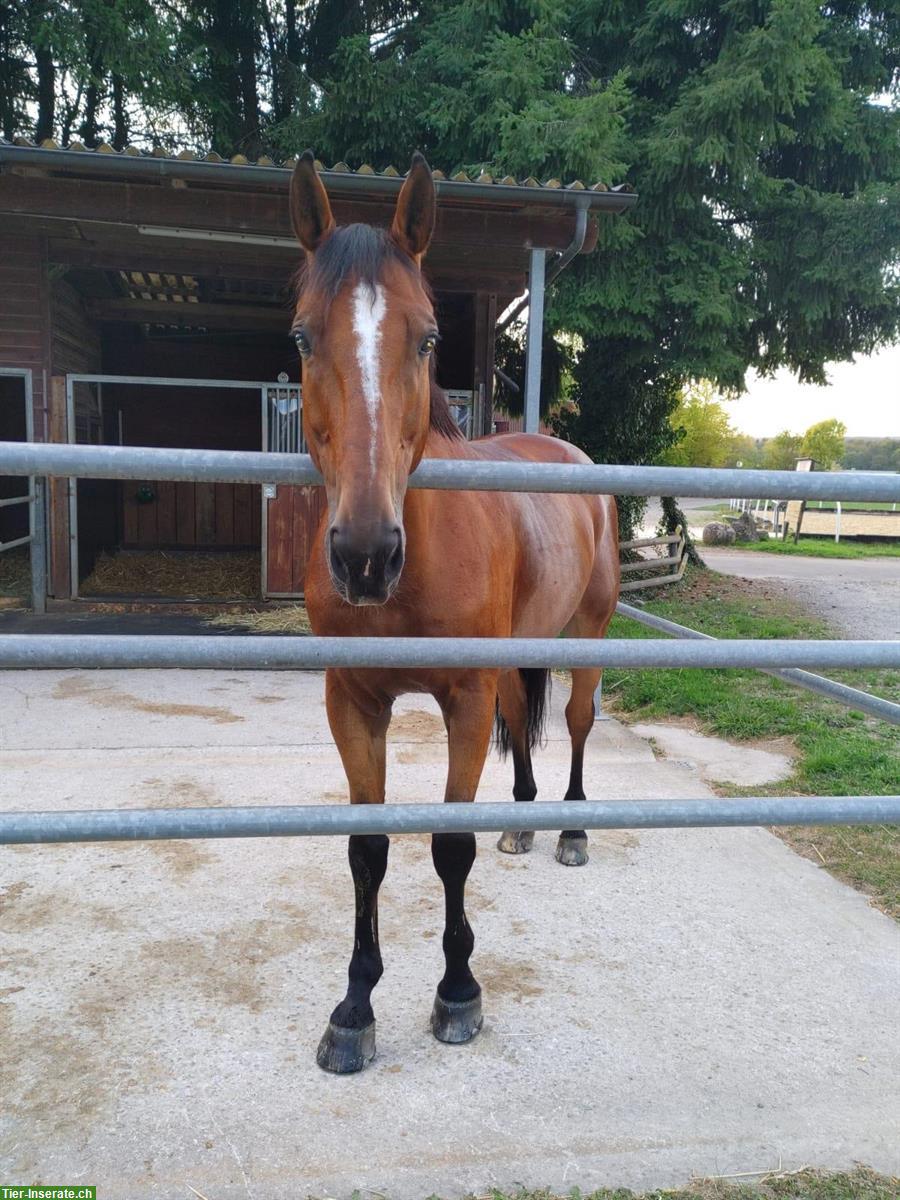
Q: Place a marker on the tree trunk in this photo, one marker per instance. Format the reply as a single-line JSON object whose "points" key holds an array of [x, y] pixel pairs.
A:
{"points": [[46, 72], [94, 40], [293, 37], [224, 52], [250, 133], [120, 116], [88, 128], [275, 65]]}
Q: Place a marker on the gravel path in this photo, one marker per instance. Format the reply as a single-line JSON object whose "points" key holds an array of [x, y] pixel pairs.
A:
{"points": [[860, 597]]}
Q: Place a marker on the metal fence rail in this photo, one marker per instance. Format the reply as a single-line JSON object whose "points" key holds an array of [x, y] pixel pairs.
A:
{"points": [[245, 466], [852, 697], [315, 820], [255, 653], [70, 651]]}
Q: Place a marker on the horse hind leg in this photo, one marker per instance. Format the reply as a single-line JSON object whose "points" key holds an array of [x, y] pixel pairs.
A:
{"points": [[512, 701], [571, 849]]}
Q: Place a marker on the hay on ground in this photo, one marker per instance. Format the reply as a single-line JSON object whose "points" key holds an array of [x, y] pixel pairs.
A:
{"points": [[15, 572], [286, 618], [189, 575]]}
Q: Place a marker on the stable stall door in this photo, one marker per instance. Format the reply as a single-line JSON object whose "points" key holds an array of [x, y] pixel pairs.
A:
{"points": [[291, 515]]}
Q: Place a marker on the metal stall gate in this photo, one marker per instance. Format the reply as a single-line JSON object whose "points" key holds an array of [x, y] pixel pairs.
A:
{"points": [[290, 513], [34, 497], [252, 652], [284, 519]]}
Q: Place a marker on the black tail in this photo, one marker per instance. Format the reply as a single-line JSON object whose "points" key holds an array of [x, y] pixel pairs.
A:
{"points": [[537, 693]]}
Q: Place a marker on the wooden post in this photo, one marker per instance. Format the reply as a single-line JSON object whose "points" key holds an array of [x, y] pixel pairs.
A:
{"points": [[58, 498]]}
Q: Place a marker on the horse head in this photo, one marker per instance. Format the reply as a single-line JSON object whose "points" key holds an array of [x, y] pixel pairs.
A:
{"points": [[365, 328]]}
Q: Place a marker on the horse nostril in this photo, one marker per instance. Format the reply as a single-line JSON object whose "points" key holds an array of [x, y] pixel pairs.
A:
{"points": [[335, 550], [395, 558]]}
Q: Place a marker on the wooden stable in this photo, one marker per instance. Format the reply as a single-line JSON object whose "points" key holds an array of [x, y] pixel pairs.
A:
{"points": [[152, 269]]}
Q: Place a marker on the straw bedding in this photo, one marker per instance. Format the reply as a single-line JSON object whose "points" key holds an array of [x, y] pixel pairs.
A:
{"points": [[15, 572], [184, 574], [286, 618]]}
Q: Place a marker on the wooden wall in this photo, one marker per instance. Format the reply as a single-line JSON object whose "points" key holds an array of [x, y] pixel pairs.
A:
{"points": [[186, 516], [24, 314], [74, 337], [292, 521]]}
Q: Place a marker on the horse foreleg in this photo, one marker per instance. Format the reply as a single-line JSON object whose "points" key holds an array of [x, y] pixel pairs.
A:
{"points": [[349, 1041], [456, 1016], [513, 703]]}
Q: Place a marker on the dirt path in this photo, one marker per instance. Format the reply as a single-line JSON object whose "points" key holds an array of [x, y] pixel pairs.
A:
{"points": [[860, 597]]}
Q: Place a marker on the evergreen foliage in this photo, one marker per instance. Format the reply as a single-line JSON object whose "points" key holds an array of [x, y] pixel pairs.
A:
{"points": [[768, 227]]}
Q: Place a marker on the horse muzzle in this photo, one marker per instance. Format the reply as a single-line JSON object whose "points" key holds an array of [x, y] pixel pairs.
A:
{"points": [[365, 565]]}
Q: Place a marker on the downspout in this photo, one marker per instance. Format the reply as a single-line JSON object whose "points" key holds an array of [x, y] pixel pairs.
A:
{"points": [[573, 248], [534, 300]]}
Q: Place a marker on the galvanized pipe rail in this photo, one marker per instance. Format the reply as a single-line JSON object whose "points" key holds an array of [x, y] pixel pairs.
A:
{"points": [[246, 466], [841, 692], [254, 653], [72, 651], [317, 820]]}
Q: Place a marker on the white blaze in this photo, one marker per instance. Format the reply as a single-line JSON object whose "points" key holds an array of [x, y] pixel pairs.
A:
{"points": [[368, 313]]}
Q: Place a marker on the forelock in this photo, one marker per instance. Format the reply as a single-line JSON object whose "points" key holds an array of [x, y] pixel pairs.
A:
{"points": [[353, 254]]}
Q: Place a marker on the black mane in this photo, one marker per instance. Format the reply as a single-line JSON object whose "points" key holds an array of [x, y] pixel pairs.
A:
{"points": [[358, 254]]}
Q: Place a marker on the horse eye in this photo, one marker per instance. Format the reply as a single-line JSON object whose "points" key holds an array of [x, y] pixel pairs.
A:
{"points": [[301, 341], [428, 344]]}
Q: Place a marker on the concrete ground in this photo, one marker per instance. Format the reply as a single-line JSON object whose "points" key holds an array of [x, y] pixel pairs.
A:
{"points": [[859, 596], [690, 1002]]}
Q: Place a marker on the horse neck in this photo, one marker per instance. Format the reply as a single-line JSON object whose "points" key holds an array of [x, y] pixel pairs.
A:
{"points": [[421, 506]]}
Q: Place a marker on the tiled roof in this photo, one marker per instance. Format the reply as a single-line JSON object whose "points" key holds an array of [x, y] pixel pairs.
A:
{"points": [[340, 168]]}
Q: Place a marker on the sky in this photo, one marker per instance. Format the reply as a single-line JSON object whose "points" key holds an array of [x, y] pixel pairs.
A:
{"points": [[865, 395]]}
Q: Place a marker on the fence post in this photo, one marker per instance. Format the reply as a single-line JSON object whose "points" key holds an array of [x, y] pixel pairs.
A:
{"points": [[533, 346], [39, 545]]}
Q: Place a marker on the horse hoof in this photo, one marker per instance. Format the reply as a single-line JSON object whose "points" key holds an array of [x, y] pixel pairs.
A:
{"points": [[515, 843], [343, 1051], [456, 1021], [572, 851]]}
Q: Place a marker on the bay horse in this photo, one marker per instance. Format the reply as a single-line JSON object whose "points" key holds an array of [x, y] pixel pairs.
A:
{"points": [[388, 562]]}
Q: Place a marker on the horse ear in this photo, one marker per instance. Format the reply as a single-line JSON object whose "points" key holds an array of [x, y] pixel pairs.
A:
{"points": [[310, 210], [414, 219]]}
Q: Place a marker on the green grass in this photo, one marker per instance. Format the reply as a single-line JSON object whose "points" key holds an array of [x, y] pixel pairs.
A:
{"points": [[806, 1184], [840, 751], [821, 548]]}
